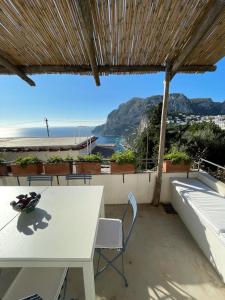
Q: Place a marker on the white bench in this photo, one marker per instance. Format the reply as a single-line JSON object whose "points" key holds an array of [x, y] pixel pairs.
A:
{"points": [[46, 282], [203, 212]]}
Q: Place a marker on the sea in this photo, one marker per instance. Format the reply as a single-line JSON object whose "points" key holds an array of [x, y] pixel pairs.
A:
{"points": [[7, 132]]}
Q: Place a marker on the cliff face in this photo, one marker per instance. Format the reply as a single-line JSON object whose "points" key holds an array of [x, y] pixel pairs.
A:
{"points": [[129, 115]]}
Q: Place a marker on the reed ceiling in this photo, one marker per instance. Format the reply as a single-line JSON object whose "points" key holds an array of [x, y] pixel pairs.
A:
{"points": [[107, 36]]}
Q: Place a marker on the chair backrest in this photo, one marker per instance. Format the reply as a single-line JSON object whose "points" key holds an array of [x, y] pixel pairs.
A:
{"points": [[30, 179], [132, 202], [84, 177], [32, 297]]}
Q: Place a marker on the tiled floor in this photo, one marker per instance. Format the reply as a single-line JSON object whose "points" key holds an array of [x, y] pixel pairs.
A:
{"points": [[162, 262]]}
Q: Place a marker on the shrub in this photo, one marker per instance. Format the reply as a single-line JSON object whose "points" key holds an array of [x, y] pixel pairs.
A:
{"points": [[69, 158], [55, 159], [178, 157], [125, 157], [90, 157], [28, 160]]}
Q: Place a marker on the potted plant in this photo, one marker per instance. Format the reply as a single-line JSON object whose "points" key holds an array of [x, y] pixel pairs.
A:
{"points": [[28, 165], [176, 161], [123, 162], [89, 163], [57, 165], [3, 167]]}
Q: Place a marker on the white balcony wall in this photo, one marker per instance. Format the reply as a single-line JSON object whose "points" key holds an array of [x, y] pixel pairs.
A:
{"points": [[117, 187]]}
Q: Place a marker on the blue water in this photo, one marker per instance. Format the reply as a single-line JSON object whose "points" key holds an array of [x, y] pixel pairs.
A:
{"points": [[61, 132], [117, 140]]}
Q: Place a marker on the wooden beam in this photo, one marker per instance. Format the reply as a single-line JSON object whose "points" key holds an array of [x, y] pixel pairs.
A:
{"points": [[196, 69], [88, 34], [215, 8], [15, 70], [85, 69], [158, 184]]}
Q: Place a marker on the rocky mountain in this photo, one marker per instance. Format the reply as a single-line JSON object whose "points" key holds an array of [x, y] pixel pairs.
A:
{"points": [[129, 115]]}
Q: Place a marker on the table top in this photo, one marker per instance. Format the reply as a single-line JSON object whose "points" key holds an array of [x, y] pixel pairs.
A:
{"points": [[62, 227]]}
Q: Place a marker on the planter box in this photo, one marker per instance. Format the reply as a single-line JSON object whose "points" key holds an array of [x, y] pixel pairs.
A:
{"points": [[3, 170], [87, 167], [168, 167], [32, 169], [62, 168], [122, 168]]}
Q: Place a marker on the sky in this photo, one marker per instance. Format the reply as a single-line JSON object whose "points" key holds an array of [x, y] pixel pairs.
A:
{"points": [[69, 100]]}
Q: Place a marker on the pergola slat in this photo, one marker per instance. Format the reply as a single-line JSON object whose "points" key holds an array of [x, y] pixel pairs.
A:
{"points": [[215, 9], [111, 37]]}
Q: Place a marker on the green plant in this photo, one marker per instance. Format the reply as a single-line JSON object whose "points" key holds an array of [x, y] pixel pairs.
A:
{"points": [[177, 157], [90, 157], [55, 159], [28, 160], [2, 161], [69, 158], [125, 157]]}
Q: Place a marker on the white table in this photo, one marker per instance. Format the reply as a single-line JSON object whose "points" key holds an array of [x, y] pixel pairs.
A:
{"points": [[61, 232]]}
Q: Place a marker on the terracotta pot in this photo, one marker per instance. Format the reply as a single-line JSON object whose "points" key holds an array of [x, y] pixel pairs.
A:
{"points": [[88, 167], [62, 168], [32, 169], [122, 168], [168, 167], [3, 170]]}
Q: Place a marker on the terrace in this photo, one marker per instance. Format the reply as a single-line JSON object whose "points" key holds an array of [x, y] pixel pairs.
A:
{"points": [[107, 37], [162, 262]]}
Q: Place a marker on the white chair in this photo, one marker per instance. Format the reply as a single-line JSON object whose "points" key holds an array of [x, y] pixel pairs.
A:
{"points": [[111, 235]]}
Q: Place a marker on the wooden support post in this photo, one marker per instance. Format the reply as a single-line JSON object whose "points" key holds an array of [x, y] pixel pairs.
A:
{"points": [[157, 191]]}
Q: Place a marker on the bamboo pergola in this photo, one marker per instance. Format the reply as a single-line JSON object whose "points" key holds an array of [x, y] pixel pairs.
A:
{"points": [[101, 37]]}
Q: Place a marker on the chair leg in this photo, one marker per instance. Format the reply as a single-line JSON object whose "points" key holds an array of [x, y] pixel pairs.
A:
{"points": [[65, 287], [99, 255], [122, 263], [110, 264]]}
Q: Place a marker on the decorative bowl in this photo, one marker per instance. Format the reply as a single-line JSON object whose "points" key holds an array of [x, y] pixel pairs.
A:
{"points": [[26, 203]]}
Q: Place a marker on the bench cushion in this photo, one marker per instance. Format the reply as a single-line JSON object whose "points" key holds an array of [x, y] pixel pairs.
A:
{"points": [[208, 204], [46, 282]]}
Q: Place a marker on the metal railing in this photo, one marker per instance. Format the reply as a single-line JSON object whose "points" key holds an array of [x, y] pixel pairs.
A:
{"points": [[212, 169]]}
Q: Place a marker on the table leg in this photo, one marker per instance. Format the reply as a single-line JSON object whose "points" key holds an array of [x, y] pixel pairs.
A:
{"points": [[102, 209], [89, 280]]}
